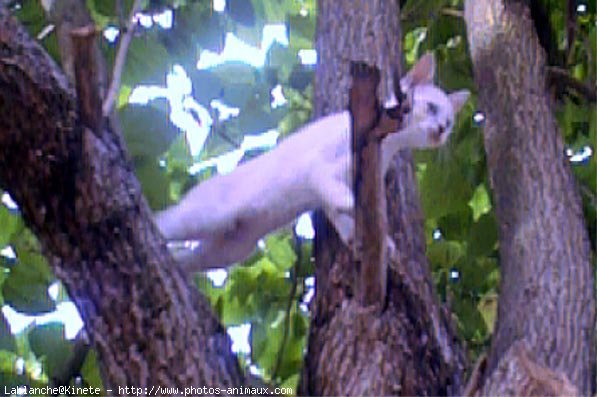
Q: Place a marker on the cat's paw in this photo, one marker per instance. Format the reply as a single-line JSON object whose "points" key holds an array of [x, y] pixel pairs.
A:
{"points": [[330, 180], [337, 196], [344, 225]]}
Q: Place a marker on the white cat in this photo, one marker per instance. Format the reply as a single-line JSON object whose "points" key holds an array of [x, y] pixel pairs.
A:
{"points": [[227, 214]]}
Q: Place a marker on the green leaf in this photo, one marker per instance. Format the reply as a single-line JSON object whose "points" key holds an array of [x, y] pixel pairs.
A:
{"points": [[11, 222], [416, 13], [265, 342], [301, 31], [442, 30], [7, 363], [243, 280], [412, 42], [7, 340], [445, 254], [31, 14], [255, 116], [147, 129], [154, 183], [238, 72], [238, 304], [306, 267], [456, 225], [139, 69], [483, 238], [267, 338], [478, 276], [251, 35], [444, 189], [26, 287], [241, 11], [573, 118], [30, 376], [48, 341], [300, 77], [291, 382], [279, 250], [292, 121], [207, 287], [282, 59], [454, 68], [104, 11], [206, 86], [195, 27], [471, 323], [90, 370], [480, 203], [236, 312], [271, 11], [488, 308], [179, 156]]}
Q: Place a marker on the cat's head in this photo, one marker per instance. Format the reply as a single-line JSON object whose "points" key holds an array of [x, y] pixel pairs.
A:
{"points": [[429, 102]]}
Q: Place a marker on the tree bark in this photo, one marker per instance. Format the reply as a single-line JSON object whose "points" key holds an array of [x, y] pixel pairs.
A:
{"points": [[77, 191], [410, 348], [546, 310]]}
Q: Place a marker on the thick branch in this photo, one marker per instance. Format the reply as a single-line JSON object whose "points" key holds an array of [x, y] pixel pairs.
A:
{"points": [[370, 205], [547, 302], [78, 193], [387, 353]]}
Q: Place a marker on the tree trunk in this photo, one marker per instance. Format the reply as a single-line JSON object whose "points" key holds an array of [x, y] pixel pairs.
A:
{"points": [[546, 315], [410, 348], [77, 191]]}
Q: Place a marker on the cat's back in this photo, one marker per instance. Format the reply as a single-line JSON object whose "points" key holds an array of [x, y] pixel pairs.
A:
{"points": [[328, 133]]}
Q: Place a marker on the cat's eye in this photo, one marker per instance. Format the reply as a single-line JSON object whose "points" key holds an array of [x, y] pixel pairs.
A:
{"points": [[432, 108]]}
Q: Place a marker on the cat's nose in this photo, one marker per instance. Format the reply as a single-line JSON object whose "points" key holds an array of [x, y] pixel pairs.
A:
{"points": [[432, 109]]}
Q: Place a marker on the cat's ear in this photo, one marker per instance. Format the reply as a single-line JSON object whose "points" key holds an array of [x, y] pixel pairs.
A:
{"points": [[458, 99], [421, 73]]}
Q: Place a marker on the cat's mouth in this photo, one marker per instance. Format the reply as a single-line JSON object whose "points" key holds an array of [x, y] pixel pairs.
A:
{"points": [[436, 136]]}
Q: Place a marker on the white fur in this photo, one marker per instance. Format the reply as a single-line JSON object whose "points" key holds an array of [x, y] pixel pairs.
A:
{"points": [[311, 169]]}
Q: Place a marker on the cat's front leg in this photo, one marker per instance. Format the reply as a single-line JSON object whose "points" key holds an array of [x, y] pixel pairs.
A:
{"points": [[217, 251], [345, 227], [330, 175]]}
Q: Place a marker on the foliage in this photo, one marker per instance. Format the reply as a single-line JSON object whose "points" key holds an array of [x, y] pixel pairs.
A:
{"points": [[270, 289]]}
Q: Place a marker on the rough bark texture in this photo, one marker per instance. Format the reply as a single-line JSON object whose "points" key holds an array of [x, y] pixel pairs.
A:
{"points": [[78, 192], [370, 203], [410, 348], [67, 15], [546, 302]]}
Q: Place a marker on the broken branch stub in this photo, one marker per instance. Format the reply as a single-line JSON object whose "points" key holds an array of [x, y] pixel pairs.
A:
{"points": [[370, 124], [370, 217]]}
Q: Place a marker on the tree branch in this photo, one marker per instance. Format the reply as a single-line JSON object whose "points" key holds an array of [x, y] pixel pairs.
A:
{"points": [[291, 297], [77, 191], [561, 76], [452, 12], [120, 60]]}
